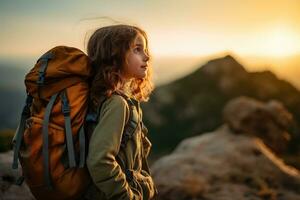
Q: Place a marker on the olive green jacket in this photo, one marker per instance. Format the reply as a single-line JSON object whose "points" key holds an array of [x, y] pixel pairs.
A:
{"points": [[107, 161]]}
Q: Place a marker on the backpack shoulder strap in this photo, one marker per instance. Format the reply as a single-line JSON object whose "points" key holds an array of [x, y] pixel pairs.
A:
{"points": [[93, 115], [130, 126]]}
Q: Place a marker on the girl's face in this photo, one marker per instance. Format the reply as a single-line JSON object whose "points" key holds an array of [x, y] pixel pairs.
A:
{"points": [[137, 59]]}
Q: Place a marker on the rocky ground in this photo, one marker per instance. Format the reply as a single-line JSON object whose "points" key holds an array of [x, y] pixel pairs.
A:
{"points": [[8, 189], [233, 162]]}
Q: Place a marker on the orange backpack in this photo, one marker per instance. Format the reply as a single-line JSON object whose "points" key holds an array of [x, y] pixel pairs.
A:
{"points": [[50, 140]]}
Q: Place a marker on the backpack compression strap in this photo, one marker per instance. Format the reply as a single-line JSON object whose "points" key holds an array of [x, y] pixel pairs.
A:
{"points": [[45, 133], [68, 128], [69, 136], [20, 130]]}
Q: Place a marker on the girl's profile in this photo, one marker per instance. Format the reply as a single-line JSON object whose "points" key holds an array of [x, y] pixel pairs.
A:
{"points": [[117, 155]]}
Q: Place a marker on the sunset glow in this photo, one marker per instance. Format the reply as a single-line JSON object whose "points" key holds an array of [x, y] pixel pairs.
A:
{"points": [[273, 42], [282, 42], [250, 27]]}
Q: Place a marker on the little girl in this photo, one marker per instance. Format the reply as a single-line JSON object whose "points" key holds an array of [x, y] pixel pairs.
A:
{"points": [[122, 79]]}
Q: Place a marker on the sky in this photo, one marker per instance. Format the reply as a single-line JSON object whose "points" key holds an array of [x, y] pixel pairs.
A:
{"points": [[176, 28]]}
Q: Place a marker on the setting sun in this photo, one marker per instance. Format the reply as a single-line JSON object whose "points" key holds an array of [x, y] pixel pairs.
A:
{"points": [[282, 42]]}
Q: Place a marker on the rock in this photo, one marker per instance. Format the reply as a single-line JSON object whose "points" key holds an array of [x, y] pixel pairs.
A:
{"points": [[8, 189], [269, 121], [224, 166]]}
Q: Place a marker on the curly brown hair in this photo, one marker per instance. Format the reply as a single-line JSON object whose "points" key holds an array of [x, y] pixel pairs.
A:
{"points": [[107, 48]]}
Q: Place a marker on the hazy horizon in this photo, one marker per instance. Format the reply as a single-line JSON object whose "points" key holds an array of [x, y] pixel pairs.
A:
{"points": [[183, 35], [169, 68]]}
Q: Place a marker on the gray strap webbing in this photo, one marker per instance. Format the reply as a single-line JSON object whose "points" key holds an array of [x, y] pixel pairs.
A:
{"points": [[18, 140], [131, 125], [45, 149], [20, 130], [81, 147], [68, 129], [42, 71]]}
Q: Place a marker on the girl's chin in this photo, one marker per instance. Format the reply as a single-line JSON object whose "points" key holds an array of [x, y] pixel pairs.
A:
{"points": [[142, 75], [137, 76]]}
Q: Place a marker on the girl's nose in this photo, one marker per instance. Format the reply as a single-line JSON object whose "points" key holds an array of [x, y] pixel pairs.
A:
{"points": [[146, 58]]}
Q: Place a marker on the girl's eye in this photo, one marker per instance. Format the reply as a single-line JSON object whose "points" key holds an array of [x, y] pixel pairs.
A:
{"points": [[138, 49]]}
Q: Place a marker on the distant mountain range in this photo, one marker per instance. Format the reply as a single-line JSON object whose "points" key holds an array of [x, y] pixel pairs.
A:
{"points": [[171, 68], [188, 106], [193, 104]]}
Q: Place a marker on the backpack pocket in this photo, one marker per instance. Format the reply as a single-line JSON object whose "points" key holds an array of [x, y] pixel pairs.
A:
{"points": [[31, 153]]}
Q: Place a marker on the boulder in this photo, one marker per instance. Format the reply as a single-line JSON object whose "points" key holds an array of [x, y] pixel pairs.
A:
{"points": [[269, 121], [224, 166], [238, 161]]}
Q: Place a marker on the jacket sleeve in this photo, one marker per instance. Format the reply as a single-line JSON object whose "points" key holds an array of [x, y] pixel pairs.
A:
{"points": [[147, 184], [104, 146]]}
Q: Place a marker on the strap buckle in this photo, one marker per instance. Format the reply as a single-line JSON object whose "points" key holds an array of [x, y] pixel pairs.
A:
{"points": [[66, 109], [65, 104], [41, 79]]}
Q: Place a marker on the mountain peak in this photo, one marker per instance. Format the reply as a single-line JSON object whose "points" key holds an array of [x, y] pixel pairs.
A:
{"points": [[224, 65], [227, 57]]}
